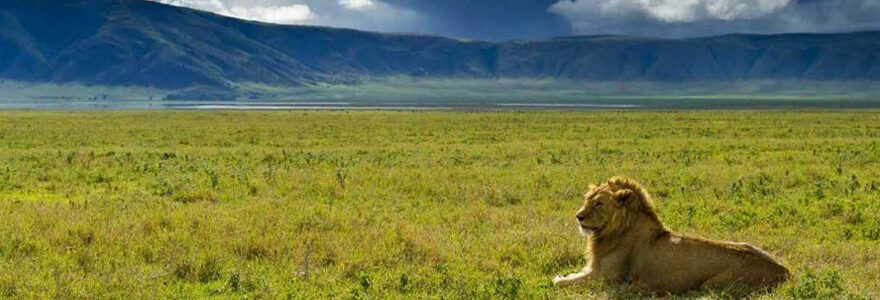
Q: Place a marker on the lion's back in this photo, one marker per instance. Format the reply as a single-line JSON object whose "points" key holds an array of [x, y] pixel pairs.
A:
{"points": [[677, 263]]}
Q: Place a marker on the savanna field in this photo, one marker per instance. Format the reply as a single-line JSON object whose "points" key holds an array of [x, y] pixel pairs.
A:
{"points": [[442, 205]]}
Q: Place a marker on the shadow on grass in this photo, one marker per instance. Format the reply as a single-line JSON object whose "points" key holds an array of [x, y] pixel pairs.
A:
{"points": [[807, 284], [631, 292]]}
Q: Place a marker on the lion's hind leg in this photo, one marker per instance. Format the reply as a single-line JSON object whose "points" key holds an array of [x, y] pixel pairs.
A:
{"points": [[735, 284]]}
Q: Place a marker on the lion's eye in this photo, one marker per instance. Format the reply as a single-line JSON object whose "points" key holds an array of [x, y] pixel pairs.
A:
{"points": [[597, 205]]}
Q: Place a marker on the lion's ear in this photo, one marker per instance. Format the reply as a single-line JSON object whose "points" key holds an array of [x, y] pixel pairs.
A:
{"points": [[623, 196], [593, 186]]}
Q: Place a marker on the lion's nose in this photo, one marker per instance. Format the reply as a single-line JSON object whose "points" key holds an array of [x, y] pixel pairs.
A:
{"points": [[580, 219]]}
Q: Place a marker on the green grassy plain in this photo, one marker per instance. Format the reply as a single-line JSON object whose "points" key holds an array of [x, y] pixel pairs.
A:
{"points": [[447, 205]]}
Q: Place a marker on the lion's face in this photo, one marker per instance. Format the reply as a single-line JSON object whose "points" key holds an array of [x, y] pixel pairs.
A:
{"points": [[601, 207], [593, 215]]}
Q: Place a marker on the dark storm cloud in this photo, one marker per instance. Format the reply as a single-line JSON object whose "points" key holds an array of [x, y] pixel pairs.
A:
{"points": [[535, 19], [490, 19], [686, 18], [473, 19]]}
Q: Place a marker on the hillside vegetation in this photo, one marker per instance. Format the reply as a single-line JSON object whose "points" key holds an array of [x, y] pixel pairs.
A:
{"points": [[458, 205], [147, 44], [403, 90]]}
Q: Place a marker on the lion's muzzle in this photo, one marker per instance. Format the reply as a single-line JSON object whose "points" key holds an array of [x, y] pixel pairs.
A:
{"points": [[587, 230]]}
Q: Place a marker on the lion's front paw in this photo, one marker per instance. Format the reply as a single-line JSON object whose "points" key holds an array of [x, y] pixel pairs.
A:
{"points": [[570, 279], [560, 281]]}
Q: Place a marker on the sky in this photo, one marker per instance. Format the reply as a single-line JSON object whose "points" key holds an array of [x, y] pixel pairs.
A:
{"points": [[538, 19]]}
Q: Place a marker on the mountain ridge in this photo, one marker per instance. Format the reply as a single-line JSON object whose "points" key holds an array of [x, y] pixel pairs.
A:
{"points": [[143, 43]]}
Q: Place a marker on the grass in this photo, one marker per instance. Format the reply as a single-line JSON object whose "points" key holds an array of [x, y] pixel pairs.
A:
{"points": [[457, 205]]}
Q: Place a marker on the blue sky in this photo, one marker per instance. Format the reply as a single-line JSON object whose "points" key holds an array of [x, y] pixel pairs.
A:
{"points": [[533, 19]]}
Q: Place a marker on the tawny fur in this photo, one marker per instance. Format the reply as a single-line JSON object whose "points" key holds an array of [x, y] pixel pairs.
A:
{"points": [[629, 244]]}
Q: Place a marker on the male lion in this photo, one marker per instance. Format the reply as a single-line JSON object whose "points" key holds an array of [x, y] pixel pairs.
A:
{"points": [[628, 244]]}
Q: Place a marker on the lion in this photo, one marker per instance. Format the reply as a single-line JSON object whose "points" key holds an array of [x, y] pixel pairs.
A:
{"points": [[629, 244]]}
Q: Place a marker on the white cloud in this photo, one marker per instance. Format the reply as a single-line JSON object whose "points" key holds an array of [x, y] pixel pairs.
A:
{"points": [[374, 15], [282, 14], [209, 5], [356, 4], [290, 14], [670, 11]]}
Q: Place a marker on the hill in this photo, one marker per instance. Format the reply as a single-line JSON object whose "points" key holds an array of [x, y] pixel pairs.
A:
{"points": [[141, 43]]}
